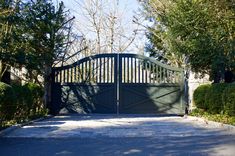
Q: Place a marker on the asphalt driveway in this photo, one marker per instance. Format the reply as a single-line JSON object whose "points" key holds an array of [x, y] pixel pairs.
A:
{"points": [[119, 135]]}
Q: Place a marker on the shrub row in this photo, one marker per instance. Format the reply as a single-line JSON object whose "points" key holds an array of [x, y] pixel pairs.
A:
{"points": [[216, 98], [21, 102]]}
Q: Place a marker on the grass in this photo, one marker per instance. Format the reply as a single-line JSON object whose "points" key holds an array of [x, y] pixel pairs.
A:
{"points": [[222, 118], [6, 124]]}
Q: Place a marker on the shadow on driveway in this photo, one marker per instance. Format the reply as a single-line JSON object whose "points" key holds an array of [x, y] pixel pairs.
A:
{"points": [[122, 135]]}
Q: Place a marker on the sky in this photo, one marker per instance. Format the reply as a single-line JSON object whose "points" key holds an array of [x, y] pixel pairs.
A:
{"points": [[127, 8]]}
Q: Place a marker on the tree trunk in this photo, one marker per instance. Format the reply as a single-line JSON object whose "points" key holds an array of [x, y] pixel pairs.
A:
{"points": [[1, 70], [47, 87], [4, 76]]}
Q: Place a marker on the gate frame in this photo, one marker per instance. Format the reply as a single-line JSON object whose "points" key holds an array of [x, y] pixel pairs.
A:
{"points": [[118, 73]]}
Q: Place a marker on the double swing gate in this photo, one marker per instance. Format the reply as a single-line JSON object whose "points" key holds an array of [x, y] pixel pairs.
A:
{"points": [[117, 83]]}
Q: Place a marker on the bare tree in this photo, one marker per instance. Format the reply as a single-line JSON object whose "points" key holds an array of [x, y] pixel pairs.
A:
{"points": [[103, 24]]}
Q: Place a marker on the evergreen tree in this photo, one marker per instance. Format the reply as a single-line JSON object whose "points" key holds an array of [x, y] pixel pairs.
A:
{"points": [[201, 30]]}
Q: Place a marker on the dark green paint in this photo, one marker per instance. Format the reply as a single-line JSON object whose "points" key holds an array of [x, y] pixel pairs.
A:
{"points": [[93, 85]]}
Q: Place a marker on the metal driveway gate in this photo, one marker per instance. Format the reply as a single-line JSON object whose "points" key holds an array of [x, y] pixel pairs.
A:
{"points": [[117, 83]]}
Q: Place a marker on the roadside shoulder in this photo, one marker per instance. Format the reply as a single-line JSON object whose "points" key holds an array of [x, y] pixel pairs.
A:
{"points": [[16, 126]]}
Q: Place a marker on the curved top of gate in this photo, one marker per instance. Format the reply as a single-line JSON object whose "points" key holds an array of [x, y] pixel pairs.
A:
{"points": [[122, 55]]}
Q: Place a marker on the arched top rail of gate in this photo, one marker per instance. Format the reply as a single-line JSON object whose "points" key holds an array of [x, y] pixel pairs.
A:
{"points": [[104, 68]]}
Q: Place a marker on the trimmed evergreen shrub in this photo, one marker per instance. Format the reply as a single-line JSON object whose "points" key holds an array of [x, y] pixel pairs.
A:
{"points": [[37, 97], [228, 99], [29, 101], [7, 101], [199, 96], [24, 101], [213, 98]]}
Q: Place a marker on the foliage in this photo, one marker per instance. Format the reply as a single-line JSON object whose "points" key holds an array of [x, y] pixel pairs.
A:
{"points": [[29, 100], [24, 101], [7, 101], [34, 34], [21, 103], [199, 96], [11, 46], [47, 33], [223, 118], [228, 98], [201, 30], [214, 98]]}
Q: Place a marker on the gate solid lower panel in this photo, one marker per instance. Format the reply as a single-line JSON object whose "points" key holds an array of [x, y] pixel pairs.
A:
{"points": [[151, 99], [85, 98], [117, 83]]}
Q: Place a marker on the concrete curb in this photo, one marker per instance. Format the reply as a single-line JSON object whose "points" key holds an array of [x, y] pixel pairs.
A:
{"points": [[14, 127], [212, 123]]}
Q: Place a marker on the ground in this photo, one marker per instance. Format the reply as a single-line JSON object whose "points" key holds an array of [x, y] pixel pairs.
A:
{"points": [[119, 135]]}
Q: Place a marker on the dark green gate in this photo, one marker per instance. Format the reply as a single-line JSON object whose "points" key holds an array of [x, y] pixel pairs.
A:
{"points": [[118, 83]]}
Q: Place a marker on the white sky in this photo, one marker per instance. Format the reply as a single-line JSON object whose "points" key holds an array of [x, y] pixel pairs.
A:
{"points": [[127, 8]]}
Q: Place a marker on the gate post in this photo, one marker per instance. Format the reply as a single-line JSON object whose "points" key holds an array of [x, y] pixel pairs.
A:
{"points": [[116, 80]]}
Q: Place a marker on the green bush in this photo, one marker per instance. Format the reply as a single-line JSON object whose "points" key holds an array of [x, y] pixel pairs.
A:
{"points": [[7, 102], [228, 99], [29, 101], [20, 103], [213, 99], [24, 101], [37, 97], [199, 96]]}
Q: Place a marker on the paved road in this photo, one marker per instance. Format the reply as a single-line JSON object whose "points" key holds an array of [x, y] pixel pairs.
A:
{"points": [[119, 135]]}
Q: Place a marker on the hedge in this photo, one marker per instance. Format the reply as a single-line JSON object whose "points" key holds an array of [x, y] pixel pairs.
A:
{"points": [[7, 101], [228, 99], [21, 103], [199, 96], [213, 97], [216, 98]]}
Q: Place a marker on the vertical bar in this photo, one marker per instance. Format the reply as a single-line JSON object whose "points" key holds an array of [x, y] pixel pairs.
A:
{"points": [[63, 75], [117, 63], [124, 69], [174, 80], [104, 72], [82, 73], [135, 71], [167, 75], [153, 69], [100, 66], [164, 75], [67, 75], [138, 71], [111, 77], [132, 73], [142, 72], [90, 71], [60, 76], [96, 71], [128, 70], [146, 72], [157, 74], [79, 73], [150, 72], [170, 77], [93, 70], [160, 74], [108, 72], [86, 71], [70, 75], [56, 76], [75, 73]]}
